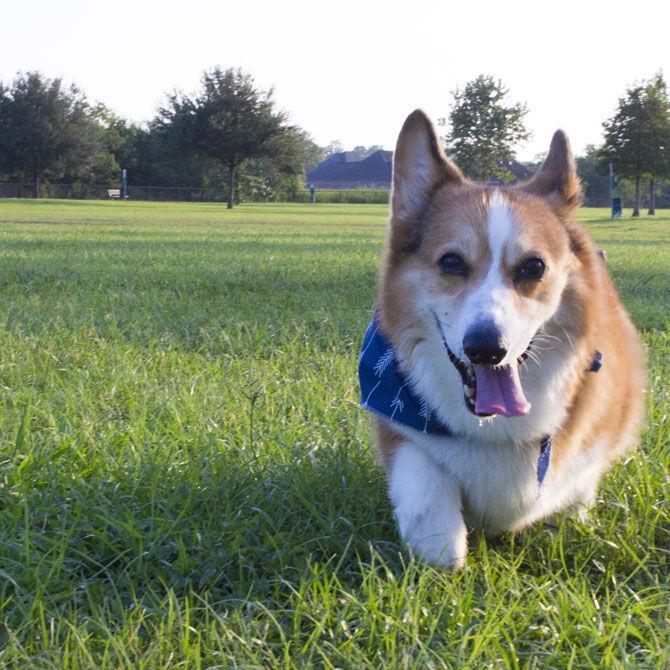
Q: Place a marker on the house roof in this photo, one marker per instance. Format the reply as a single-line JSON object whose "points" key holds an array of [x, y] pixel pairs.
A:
{"points": [[344, 157], [376, 167], [519, 170], [346, 166]]}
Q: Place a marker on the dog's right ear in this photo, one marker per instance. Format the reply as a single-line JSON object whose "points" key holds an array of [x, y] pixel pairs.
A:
{"points": [[419, 167]]}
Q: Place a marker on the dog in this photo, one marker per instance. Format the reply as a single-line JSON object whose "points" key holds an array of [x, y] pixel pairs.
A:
{"points": [[504, 372]]}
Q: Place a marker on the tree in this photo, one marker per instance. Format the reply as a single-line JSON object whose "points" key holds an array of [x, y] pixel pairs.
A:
{"points": [[229, 121], [47, 131], [484, 129], [335, 147], [120, 137], [596, 184], [637, 137], [281, 176], [657, 113], [312, 153], [364, 152]]}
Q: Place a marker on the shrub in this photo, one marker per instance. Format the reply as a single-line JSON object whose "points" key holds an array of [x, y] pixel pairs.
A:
{"points": [[348, 195]]}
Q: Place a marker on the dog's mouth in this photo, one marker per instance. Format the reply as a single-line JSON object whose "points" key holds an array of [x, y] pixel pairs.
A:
{"points": [[489, 390]]}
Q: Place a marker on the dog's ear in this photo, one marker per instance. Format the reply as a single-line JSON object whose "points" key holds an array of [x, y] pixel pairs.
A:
{"points": [[419, 166], [557, 181]]}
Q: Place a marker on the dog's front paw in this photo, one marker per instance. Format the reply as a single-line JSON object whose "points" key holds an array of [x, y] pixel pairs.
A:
{"points": [[435, 538], [427, 504]]}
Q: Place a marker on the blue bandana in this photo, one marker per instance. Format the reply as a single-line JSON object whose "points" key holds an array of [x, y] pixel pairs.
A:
{"points": [[388, 393]]}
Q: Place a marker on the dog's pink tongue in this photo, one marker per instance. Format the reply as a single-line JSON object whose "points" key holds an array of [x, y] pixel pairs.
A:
{"points": [[499, 391]]}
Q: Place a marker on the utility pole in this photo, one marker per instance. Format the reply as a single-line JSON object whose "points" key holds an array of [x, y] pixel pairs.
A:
{"points": [[122, 193]]}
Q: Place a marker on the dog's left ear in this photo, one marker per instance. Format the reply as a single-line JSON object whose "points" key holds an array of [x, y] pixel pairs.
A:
{"points": [[557, 181]]}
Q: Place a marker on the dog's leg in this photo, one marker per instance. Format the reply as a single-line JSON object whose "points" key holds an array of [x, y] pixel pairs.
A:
{"points": [[427, 504], [587, 491], [585, 503]]}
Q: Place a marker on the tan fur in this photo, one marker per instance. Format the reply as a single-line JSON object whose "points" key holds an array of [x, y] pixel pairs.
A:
{"points": [[435, 210], [608, 405], [388, 441]]}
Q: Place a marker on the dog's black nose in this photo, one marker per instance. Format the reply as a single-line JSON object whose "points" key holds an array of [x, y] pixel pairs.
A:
{"points": [[484, 345]]}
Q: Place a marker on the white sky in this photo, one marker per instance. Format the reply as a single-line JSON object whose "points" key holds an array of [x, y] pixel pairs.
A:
{"points": [[350, 70]]}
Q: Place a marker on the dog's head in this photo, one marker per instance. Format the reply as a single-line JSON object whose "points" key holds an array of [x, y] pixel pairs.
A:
{"points": [[478, 269]]}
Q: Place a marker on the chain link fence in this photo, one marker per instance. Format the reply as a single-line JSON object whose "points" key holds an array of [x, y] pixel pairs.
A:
{"points": [[178, 194], [106, 192]]}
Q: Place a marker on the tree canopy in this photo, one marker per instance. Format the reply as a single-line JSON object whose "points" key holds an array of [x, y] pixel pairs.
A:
{"points": [[48, 131], [50, 134], [484, 129], [637, 136], [230, 121]]}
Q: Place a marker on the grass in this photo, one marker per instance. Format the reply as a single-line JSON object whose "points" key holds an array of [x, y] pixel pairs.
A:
{"points": [[360, 196], [186, 480]]}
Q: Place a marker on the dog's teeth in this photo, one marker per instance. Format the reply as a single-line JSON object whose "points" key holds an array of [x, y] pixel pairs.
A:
{"points": [[469, 392]]}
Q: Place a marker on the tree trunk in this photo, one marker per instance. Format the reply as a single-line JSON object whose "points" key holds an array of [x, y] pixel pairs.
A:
{"points": [[636, 209], [36, 186], [231, 186], [652, 195]]}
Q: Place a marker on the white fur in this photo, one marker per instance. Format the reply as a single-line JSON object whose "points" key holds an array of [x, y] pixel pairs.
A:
{"points": [[494, 299], [500, 226], [439, 382], [427, 504], [438, 485]]}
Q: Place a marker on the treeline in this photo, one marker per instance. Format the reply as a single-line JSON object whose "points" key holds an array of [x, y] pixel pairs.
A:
{"points": [[229, 137], [483, 129]]}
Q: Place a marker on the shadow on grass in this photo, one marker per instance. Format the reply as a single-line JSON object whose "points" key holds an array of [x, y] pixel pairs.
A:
{"points": [[58, 202], [168, 248], [646, 242], [198, 295], [237, 531], [239, 534], [626, 222], [646, 294], [191, 308]]}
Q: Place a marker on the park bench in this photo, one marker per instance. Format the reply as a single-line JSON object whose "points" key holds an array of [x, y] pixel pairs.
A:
{"points": [[114, 193]]}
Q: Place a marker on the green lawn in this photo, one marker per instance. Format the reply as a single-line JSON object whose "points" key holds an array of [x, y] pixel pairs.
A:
{"points": [[186, 479]]}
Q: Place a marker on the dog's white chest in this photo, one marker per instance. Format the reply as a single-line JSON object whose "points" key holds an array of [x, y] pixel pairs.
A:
{"points": [[499, 485]]}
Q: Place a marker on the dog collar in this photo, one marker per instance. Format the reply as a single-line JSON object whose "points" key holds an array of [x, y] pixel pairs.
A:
{"points": [[386, 391]]}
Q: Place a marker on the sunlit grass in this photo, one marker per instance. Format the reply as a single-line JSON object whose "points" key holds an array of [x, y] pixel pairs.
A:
{"points": [[186, 479]]}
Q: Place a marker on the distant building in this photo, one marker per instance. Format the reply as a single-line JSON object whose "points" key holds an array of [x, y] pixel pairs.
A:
{"points": [[348, 170], [519, 170]]}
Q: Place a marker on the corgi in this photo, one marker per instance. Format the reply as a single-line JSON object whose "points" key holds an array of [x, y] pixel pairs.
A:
{"points": [[503, 371]]}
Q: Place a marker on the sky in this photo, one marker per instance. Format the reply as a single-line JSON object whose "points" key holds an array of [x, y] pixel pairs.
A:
{"points": [[351, 70]]}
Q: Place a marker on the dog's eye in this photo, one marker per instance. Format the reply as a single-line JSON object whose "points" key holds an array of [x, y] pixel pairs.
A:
{"points": [[531, 269], [453, 264]]}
